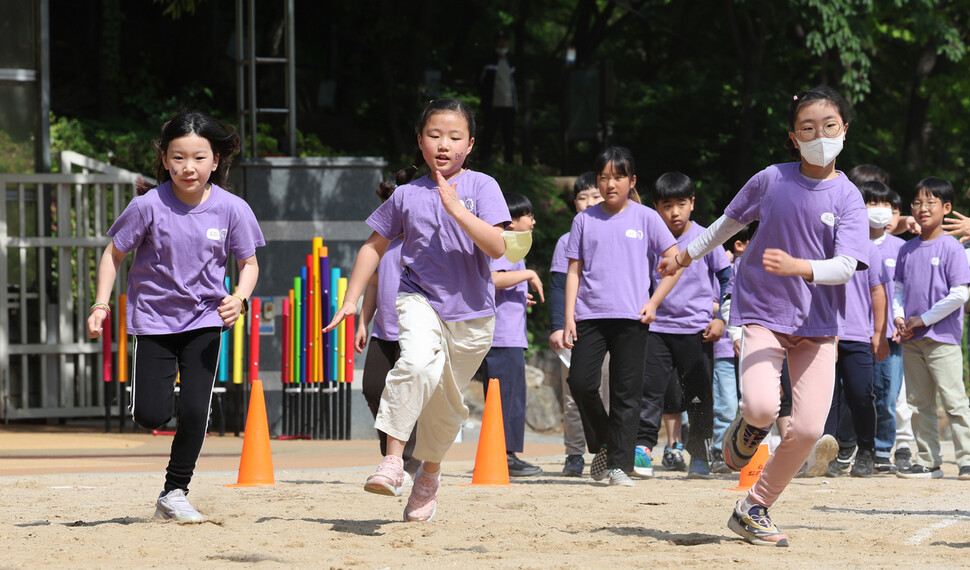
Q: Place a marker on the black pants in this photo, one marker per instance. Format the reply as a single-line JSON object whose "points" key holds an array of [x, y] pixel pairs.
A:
{"points": [[853, 380], [381, 356], [625, 340], [694, 359], [508, 365], [155, 361]]}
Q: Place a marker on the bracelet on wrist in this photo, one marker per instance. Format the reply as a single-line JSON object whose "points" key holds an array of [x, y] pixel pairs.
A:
{"points": [[677, 260], [103, 306]]}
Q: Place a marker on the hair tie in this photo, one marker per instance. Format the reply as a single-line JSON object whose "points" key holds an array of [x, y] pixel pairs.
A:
{"points": [[795, 98]]}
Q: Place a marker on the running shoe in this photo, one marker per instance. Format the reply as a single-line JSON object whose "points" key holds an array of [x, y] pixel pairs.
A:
{"points": [[388, 479], [598, 469], [864, 463], [756, 527], [699, 469], [882, 465], [174, 506], [618, 477], [842, 464], [903, 458], [717, 462], [826, 449], [573, 467], [423, 502], [964, 474], [673, 458], [520, 468], [741, 442], [642, 462], [917, 471]]}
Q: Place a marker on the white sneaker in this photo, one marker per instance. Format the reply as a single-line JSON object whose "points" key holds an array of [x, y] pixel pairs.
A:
{"points": [[619, 477], [826, 448], [174, 505]]}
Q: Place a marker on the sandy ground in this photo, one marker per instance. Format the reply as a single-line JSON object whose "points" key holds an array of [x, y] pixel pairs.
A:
{"points": [[68, 511]]}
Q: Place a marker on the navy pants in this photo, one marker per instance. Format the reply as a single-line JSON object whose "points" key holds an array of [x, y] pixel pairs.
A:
{"points": [[508, 365], [853, 373]]}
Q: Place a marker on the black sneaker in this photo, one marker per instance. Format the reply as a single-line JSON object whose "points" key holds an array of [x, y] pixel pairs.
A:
{"points": [[717, 462], [964, 473], [840, 466], [883, 466], [673, 458], [917, 471], [598, 469], [904, 458], [573, 466], [519, 468], [863, 465]]}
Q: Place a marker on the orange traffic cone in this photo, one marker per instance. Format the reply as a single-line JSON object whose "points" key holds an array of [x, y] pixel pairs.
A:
{"points": [[491, 463], [751, 472], [256, 463]]}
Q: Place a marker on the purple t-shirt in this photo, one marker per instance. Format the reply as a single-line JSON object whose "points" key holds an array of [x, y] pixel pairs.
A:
{"points": [[724, 347], [510, 305], [808, 220], [928, 269], [859, 323], [689, 307], [441, 262], [615, 280], [889, 250], [388, 282], [176, 281], [560, 264]]}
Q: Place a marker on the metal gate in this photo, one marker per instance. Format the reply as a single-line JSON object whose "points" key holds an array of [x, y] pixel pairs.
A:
{"points": [[52, 234]]}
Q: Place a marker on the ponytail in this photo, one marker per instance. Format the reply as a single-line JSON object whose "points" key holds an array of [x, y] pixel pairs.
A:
{"points": [[406, 175]]}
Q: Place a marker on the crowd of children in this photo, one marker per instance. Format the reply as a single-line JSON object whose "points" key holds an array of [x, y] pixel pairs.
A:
{"points": [[807, 323]]}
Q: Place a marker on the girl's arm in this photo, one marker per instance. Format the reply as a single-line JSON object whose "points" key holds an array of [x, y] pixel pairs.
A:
{"points": [[367, 310], [649, 311], [231, 306], [107, 272], [506, 279], [572, 289], [487, 237], [715, 234], [365, 265]]}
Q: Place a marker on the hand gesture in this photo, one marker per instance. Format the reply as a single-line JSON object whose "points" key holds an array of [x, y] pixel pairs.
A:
{"points": [[536, 285], [449, 196], [959, 225], [95, 320], [648, 313], [669, 266], [345, 311], [230, 309], [714, 331], [778, 262], [902, 328]]}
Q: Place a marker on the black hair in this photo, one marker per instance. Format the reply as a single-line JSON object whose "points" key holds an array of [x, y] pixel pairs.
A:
{"points": [[385, 189], [936, 187], [744, 235], [620, 157], [585, 181], [222, 138], [862, 173], [874, 191], [814, 95], [673, 186], [895, 200], [518, 205], [436, 106]]}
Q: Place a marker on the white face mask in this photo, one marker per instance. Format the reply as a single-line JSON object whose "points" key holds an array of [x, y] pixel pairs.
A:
{"points": [[821, 151], [880, 216]]}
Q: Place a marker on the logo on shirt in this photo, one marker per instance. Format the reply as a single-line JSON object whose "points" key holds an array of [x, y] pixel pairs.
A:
{"points": [[214, 234], [828, 218], [634, 234], [934, 261], [890, 262], [469, 205]]}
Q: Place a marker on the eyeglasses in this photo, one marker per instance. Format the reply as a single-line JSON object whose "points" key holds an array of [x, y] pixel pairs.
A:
{"points": [[930, 204], [808, 133]]}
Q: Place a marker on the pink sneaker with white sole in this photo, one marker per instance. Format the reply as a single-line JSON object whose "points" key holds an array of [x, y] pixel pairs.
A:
{"points": [[388, 479], [423, 502]]}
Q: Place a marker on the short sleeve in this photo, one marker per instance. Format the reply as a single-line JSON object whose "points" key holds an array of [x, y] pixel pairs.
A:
{"points": [[716, 261], [878, 275], [387, 219], [852, 230], [574, 245], [245, 234], [490, 203], [660, 237], [130, 228], [957, 270], [746, 205]]}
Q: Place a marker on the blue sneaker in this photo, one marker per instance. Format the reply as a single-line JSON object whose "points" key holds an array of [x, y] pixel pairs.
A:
{"points": [[756, 527], [642, 462], [698, 470], [573, 466]]}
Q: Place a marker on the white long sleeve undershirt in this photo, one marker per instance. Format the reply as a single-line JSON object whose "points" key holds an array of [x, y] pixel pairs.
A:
{"points": [[955, 299]]}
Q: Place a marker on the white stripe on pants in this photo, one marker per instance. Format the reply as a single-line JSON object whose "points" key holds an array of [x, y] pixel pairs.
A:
{"points": [[437, 362]]}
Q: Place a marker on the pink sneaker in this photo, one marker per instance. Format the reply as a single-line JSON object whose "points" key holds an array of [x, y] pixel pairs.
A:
{"points": [[423, 502], [388, 479]]}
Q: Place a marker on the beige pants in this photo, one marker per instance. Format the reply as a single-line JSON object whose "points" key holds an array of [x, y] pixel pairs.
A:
{"points": [[931, 366], [425, 386]]}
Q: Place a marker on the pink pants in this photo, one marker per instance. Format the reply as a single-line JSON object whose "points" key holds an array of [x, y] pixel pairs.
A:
{"points": [[811, 362]]}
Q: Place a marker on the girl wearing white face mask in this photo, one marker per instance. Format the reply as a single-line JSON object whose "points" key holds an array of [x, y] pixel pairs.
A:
{"points": [[789, 299]]}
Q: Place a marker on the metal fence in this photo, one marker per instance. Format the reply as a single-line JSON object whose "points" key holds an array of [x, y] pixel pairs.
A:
{"points": [[52, 234]]}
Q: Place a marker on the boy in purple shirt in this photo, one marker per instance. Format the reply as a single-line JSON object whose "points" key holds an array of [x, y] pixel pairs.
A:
{"points": [[931, 287], [682, 336], [506, 359]]}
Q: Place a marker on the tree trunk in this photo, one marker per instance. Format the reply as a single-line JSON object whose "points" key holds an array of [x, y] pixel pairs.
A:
{"points": [[918, 127]]}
